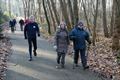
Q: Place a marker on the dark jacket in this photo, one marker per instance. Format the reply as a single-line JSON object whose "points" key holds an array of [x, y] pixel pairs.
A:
{"points": [[79, 38], [21, 22], [14, 22], [62, 41], [11, 23], [31, 29]]}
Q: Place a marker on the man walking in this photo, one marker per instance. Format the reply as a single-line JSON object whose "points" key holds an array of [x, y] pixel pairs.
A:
{"points": [[21, 22], [79, 37], [30, 31]]}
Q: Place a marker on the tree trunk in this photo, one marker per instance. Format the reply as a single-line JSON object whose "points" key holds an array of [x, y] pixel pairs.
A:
{"points": [[24, 8], [116, 34], [112, 19], [106, 34], [10, 8], [95, 23], [75, 5], [71, 12], [65, 14], [86, 17], [45, 11], [51, 15], [55, 12], [39, 4], [28, 8]]}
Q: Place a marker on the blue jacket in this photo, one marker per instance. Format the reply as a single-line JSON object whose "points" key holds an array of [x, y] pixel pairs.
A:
{"points": [[31, 29], [79, 38], [11, 23]]}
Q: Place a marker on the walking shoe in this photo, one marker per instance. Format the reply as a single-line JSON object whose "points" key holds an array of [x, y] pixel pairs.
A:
{"points": [[35, 54], [75, 65], [86, 67], [58, 66], [62, 66], [30, 59]]}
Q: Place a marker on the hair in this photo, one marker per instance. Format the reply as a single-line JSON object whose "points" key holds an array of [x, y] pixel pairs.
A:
{"points": [[31, 17], [63, 24]]}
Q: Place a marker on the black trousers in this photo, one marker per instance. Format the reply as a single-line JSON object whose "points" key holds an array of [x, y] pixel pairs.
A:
{"points": [[21, 27], [61, 58], [83, 57], [12, 29], [30, 42]]}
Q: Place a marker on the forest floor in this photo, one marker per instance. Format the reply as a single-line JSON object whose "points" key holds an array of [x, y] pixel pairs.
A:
{"points": [[5, 51]]}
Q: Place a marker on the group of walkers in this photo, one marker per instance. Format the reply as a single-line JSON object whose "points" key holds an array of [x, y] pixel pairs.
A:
{"points": [[13, 22], [77, 35]]}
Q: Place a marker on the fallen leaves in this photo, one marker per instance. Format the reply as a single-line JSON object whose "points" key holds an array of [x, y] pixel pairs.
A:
{"points": [[103, 60], [5, 51]]}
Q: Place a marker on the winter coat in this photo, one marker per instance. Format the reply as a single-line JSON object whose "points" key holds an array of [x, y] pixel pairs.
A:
{"points": [[21, 22], [14, 22], [62, 41], [11, 23], [79, 38], [31, 29]]}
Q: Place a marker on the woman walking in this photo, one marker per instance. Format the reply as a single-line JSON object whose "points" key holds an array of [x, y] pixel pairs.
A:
{"points": [[62, 42]]}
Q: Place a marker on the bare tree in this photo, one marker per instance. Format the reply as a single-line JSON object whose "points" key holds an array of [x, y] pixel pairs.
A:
{"points": [[55, 11], [46, 15], [52, 16], [10, 8], [112, 18], [65, 14], [85, 14], [95, 22], [75, 5], [106, 34], [71, 11], [116, 34]]}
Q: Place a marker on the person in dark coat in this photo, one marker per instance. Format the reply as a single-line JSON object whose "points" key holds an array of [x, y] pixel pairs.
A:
{"points": [[62, 42], [21, 22], [26, 21], [11, 24], [30, 31], [79, 37], [14, 21]]}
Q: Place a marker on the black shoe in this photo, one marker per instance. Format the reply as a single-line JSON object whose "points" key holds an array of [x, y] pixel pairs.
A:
{"points": [[30, 59], [86, 67], [62, 66], [76, 65], [35, 54]]}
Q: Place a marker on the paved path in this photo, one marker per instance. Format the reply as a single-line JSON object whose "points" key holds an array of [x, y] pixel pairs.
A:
{"points": [[43, 66]]}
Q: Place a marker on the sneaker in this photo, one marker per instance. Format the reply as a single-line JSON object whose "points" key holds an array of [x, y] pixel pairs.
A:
{"points": [[35, 54], [86, 67], [58, 66]]}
